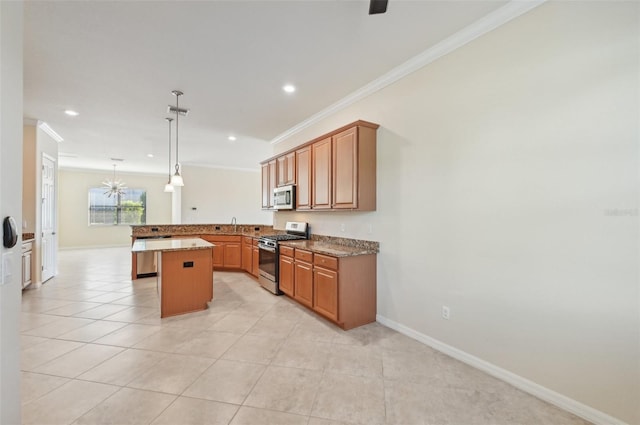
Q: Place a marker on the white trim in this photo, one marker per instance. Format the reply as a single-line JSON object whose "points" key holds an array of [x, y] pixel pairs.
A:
{"points": [[546, 394], [222, 167], [30, 121], [493, 20], [69, 248], [47, 129]]}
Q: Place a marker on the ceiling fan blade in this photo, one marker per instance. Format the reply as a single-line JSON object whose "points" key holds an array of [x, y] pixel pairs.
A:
{"points": [[377, 6]]}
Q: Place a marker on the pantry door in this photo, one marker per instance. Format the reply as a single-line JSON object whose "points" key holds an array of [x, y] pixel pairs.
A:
{"points": [[49, 244]]}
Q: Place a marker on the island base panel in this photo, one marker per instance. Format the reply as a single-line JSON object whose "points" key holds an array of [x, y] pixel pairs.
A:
{"points": [[185, 281]]}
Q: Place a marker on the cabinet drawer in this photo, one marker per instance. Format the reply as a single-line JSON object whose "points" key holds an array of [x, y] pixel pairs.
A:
{"points": [[247, 240], [255, 241], [27, 246], [304, 255], [286, 250], [325, 261]]}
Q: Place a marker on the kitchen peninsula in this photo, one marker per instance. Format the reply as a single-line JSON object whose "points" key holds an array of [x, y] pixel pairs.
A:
{"points": [[185, 273]]}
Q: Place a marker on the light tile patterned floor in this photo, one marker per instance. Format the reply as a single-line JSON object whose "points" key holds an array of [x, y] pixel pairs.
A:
{"points": [[95, 351]]}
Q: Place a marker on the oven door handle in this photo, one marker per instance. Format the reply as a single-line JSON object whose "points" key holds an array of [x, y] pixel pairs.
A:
{"points": [[267, 248]]}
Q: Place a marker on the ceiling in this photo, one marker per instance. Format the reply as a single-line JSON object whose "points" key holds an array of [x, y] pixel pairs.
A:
{"points": [[116, 62]]}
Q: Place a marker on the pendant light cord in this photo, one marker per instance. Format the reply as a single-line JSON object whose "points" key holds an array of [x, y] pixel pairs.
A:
{"points": [[177, 115], [169, 120]]}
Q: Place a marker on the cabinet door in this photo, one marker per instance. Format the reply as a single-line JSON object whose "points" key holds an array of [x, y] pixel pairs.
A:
{"points": [[281, 170], [290, 168], [233, 255], [286, 275], [247, 250], [303, 283], [303, 178], [266, 198], [218, 254], [325, 295], [272, 180], [345, 169], [26, 268], [321, 174], [255, 266]]}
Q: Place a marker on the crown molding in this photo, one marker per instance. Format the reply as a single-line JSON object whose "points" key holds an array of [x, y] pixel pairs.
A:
{"points": [[488, 23], [50, 131]]}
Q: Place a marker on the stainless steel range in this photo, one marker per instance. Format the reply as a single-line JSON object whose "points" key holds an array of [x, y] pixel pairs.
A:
{"points": [[269, 254]]}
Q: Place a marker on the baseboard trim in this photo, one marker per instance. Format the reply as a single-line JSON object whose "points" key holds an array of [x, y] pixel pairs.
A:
{"points": [[543, 393]]}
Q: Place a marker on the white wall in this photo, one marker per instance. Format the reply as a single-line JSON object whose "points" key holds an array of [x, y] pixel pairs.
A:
{"points": [[11, 21], [220, 194], [74, 230], [508, 191]]}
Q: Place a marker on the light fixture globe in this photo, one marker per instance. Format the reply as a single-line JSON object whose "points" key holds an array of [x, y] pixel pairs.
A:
{"points": [[168, 188], [176, 179]]}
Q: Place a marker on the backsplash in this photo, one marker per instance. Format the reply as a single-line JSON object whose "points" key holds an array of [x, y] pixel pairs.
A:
{"points": [[195, 229]]}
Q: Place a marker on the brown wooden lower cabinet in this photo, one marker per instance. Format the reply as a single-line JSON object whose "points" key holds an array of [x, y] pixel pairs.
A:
{"points": [[185, 281], [303, 292], [342, 289], [218, 254], [233, 255], [325, 294], [287, 271], [228, 251], [247, 251], [255, 261]]}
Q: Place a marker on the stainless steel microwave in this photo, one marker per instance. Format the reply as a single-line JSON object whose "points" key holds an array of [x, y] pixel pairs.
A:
{"points": [[284, 197]]}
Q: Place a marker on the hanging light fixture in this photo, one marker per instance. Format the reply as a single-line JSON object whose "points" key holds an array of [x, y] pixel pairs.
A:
{"points": [[176, 179], [114, 187], [169, 187]]}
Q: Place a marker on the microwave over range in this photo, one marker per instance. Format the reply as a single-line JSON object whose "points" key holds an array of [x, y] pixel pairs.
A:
{"points": [[284, 197]]}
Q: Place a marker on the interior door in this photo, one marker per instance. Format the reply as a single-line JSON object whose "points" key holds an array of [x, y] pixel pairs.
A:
{"points": [[48, 215]]}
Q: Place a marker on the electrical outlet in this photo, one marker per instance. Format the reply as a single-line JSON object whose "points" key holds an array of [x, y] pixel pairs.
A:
{"points": [[446, 313]]}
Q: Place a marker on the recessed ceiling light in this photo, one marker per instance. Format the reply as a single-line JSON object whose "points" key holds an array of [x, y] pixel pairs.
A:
{"points": [[150, 155], [232, 138], [289, 88], [71, 113]]}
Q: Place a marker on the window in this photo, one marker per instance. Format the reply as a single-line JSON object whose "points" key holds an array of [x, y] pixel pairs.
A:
{"points": [[128, 208]]}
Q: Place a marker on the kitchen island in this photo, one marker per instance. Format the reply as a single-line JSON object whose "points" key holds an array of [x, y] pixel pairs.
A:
{"points": [[185, 273]]}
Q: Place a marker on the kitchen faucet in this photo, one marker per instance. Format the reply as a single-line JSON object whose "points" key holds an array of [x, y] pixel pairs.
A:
{"points": [[235, 226]]}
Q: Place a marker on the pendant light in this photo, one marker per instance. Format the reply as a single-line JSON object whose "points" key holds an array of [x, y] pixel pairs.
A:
{"points": [[176, 179], [169, 187], [114, 187]]}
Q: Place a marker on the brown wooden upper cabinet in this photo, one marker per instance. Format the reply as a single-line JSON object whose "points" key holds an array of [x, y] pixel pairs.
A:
{"points": [[321, 174], [303, 178], [336, 171], [269, 181], [286, 166]]}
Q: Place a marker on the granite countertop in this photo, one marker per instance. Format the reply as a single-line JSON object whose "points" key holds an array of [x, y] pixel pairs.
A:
{"points": [[335, 250], [27, 237], [145, 245]]}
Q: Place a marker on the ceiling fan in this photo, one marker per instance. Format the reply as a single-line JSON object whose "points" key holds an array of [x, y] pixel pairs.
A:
{"points": [[377, 6]]}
